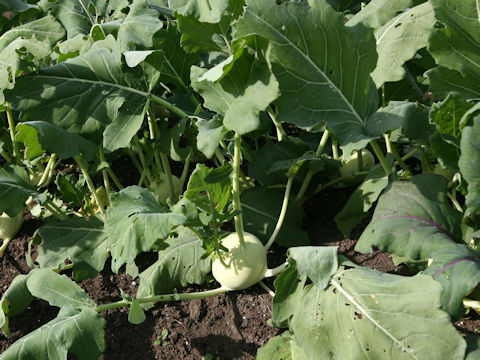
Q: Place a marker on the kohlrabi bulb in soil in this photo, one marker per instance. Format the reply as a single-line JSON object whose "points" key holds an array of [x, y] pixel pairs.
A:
{"points": [[246, 265], [350, 166], [9, 226], [162, 189]]}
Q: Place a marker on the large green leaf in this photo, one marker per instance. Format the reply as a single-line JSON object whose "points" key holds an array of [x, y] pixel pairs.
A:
{"points": [[86, 95], [206, 25], [11, 61], [176, 62], [448, 113], [413, 219], [79, 16], [57, 289], [261, 207], [139, 26], [282, 347], [322, 67], [210, 133], [456, 48], [179, 264], [470, 164], [211, 197], [378, 12], [14, 300], [82, 241], [78, 332], [399, 40], [135, 222], [240, 95], [56, 140], [457, 268], [361, 200], [366, 314], [15, 189], [45, 28]]}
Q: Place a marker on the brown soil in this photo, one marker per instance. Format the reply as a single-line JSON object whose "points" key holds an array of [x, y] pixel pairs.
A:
{"points": [[228, 326]]}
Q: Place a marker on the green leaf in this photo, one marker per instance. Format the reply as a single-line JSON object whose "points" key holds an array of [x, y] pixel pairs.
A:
{"points": [[176, 62], [416, 125], [86, 95], [12, 62], [456, 268], [211, 197], [57, 289], [447, 150], [473, 347], [455, 49], [469, 164], [203, 10], [15, 189], [14, 300], [448, 113], [56, 140], [179, 263], [45, 28], [79, 16], [206, 25], [135, 222], [413, 219], [73, 191], [391, 117], [139, 26], [372, 315], [282, 347], [78, 332], [82, 241], [361, 200], [17, 5], [318, 263], [273, 153], [240, 95], [261, 207], [378, 12], [399, 40], [210, 133], [136, 314], [322, 67]]}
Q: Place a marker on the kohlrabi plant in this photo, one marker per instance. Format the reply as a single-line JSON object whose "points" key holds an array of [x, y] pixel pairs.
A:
{"points": [[198, 131]]}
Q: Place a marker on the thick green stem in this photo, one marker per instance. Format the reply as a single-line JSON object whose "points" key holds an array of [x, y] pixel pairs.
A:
{"points": [[186, 167], [141, 156], [162, 298], [153, 134], [388, 143], [399, 159], [454, 201], [6, 156], [106, 181], [84, 168], [114, 178], [168, 106], [281, 217], [267, 289], [168, 172], [44, 180], [426, 168], [280, 132], [308, 177], [335, 154], [381, 157], [236, 189], [11, 127], [275, 271], [4, 246]]}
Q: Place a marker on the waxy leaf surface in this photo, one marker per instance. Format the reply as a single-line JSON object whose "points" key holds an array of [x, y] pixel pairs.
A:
{"points": [[323, 68], [470, 164], [135, 222], [413, 219]]}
